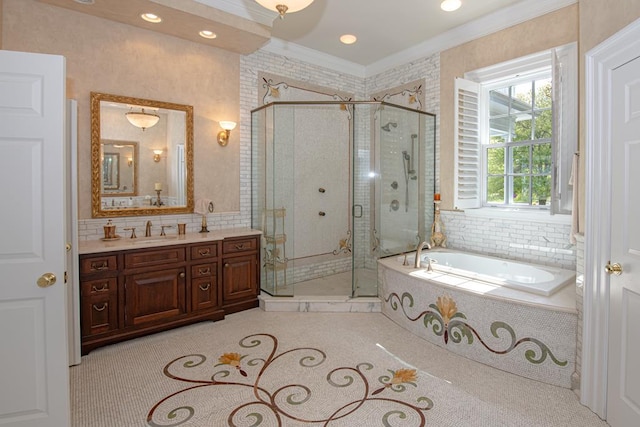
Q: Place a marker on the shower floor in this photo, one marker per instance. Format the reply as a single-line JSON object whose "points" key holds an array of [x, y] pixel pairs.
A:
{"points": [[334, 285]]}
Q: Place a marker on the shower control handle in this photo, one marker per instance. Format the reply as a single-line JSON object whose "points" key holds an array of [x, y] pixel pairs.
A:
{"points": [[322, 190], [321, 213]]}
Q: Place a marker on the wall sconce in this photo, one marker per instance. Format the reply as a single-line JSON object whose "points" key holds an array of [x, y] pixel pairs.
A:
{"points": [[129, 161], [223, 135], [156, 155]]}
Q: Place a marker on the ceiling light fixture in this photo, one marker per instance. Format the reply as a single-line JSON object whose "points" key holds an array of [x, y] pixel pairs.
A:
{"points": [[284, 6], [348, 38], [141, 119], [151, 17], [208, 34], [450, 5]]}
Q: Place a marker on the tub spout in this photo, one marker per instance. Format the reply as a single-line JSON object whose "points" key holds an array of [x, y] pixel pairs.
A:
{"points": [[419, 252]]}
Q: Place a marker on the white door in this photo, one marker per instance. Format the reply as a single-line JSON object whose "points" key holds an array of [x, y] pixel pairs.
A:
{"points": [[34, 377], [623, 391]]}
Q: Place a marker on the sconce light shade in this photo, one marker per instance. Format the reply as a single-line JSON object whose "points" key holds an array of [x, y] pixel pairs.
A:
{"points": [[156, 155], [284, 6], [141, 119], [223, 135]]}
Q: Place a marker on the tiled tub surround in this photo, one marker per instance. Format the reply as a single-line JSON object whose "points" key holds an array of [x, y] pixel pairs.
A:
{"points": [[542, 239], [525, 334]]}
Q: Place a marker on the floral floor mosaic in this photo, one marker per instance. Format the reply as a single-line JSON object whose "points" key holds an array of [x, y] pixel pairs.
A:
{"points": [[266, 369], [273, 402]]}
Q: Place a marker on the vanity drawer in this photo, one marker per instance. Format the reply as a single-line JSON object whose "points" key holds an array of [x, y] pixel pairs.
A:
{"points": [[99, 286], [153, 258], [98, 264], [239, 245], [99, 314], [203, 270], [204, 293], [204, 251]]}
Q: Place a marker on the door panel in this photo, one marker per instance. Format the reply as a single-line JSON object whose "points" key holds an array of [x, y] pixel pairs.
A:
{"points": [[623, 391], [34, 390]]}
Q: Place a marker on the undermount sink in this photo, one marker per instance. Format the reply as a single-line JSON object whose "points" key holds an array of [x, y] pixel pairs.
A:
{"points": [[146, 240]]}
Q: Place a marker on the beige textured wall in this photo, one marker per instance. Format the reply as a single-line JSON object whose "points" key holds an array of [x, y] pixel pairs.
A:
{"points": [[550, 30], [114, 58], [599, 20], [1, 47]]}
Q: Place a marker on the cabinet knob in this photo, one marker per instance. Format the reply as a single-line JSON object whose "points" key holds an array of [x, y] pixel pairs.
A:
{"points": [[181, 275], [227, 265]]}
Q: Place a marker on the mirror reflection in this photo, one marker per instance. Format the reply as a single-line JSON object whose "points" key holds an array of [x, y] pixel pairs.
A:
{"points": [[119, 165], [142, 156]]}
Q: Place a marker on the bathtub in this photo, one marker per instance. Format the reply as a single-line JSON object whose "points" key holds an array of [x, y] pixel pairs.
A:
{"points": [[480, 316], [536, 279]]}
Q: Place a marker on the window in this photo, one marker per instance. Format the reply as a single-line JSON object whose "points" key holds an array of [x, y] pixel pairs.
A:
{"points": [[516, 152], [516, 133]]}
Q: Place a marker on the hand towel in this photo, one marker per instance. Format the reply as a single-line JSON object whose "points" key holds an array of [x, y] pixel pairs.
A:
{"points": [[574, 180], [203, 206]]}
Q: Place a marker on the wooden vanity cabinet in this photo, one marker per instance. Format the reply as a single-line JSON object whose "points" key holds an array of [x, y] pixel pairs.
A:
{"points": [[131, 293], [240, 274]]}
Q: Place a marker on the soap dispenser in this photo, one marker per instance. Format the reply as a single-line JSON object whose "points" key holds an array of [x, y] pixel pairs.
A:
{"points": [[109, 231]]}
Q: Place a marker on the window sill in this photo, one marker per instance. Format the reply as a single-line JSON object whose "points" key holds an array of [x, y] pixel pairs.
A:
{"points": [[519, 214]]}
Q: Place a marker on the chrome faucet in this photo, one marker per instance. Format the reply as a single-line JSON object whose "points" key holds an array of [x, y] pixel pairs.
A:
{"points": [[147, 232], [419, 252]]}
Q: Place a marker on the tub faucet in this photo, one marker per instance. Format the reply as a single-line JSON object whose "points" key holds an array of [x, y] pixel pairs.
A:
{"points": [[147, 231], [419, 252]]}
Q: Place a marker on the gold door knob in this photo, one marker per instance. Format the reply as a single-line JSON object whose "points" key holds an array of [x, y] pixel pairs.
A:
{"points": [[615, 268], [46, 280]]}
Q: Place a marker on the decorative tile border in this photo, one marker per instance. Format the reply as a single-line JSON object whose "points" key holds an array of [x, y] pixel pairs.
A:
{"points": [[446, 321], [522, 338]]}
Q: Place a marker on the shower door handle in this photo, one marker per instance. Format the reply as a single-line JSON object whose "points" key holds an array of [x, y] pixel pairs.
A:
{"points": [[358, 209]]}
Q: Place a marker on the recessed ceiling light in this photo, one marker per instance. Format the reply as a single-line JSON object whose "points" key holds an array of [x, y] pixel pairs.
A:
{"points": [[450, 5], [85, 1], [151, 17], [208, 34], [348, 38]]}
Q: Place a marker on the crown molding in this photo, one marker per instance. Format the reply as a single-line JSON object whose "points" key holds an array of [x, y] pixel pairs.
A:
{"points": [[247, 9], [499, 20], [312, 56]]}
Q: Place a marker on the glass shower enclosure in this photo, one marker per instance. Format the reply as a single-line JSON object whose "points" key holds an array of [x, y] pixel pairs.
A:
{"points": [[335, 186]]}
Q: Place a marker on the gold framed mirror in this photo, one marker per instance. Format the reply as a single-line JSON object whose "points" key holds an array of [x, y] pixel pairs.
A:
{"points": [[141, 156]]}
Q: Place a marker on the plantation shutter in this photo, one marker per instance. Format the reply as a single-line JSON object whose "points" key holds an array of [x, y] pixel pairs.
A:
{"points": [[565, 125], [467, 167]]}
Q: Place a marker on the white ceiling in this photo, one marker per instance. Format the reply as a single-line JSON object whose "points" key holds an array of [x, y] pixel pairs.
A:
{"points": [[390, 32], [383, 27]]}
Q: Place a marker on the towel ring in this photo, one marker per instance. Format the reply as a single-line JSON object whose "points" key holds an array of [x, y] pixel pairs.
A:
{"points": [[211, 207]]}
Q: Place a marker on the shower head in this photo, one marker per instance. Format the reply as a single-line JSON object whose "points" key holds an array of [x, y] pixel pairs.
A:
{"points": [[386, 127]]}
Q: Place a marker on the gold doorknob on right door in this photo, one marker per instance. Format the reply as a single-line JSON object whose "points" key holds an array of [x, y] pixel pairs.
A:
{"points": [[614, 268], [46, 280]]}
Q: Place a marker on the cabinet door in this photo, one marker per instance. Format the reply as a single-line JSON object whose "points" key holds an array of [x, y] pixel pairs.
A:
{"points": [[239, 277], [155, 296], [204, 286]]}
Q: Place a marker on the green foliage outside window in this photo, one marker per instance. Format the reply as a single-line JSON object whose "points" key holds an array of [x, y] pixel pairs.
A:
{"points": [[519, 152]]}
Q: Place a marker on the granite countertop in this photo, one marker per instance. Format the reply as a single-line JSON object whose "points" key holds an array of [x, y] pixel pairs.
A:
{"points": [[124, 243]]}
